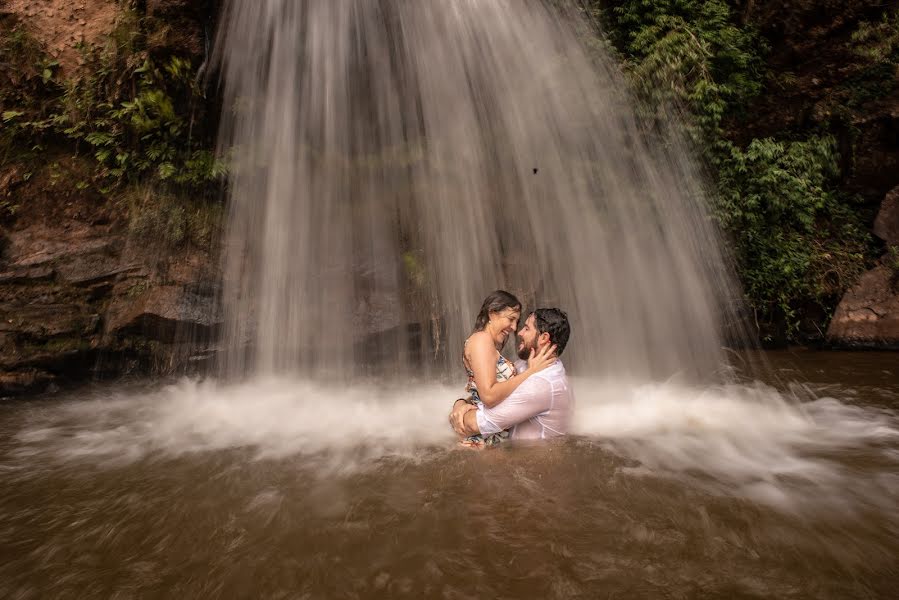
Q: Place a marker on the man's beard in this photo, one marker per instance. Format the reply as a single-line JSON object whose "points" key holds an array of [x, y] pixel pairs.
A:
{"points": [[524, 352]]}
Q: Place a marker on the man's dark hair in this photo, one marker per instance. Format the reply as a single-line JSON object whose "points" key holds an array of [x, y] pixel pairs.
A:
{"points": [[553, 321]]}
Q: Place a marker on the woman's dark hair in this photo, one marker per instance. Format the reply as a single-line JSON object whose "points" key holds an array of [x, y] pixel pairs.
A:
{"points": [[554, 322], [497, 301]]}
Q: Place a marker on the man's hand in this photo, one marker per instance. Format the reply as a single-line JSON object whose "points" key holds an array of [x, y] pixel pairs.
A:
{"points": [[457, 417]]}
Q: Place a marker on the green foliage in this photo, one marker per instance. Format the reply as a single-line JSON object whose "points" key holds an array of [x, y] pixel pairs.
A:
{"points": [[414, 268], [877, 46], [173, 219], [132, 114], [22, 69], [146, 134], [689, 53], [796, 241], [139, 288], [878, 42]]}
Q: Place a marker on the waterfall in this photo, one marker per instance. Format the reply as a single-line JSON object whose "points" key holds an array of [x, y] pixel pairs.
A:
{"points": [[393, 161]]}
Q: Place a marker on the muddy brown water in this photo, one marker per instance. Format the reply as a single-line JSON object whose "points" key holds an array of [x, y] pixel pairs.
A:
{"points": [[198, 491]]}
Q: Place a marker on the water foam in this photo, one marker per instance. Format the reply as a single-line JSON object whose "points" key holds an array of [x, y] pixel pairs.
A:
{"points": [[747, 440]]}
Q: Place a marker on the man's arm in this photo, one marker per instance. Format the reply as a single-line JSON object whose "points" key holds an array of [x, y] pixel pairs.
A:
{"points": [[532, 397]]}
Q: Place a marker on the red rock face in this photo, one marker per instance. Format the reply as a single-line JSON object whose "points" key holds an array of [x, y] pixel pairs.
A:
{"points": [[62, 25], [868, 315]]}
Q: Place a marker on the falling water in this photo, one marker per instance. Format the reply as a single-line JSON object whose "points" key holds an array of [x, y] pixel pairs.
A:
{"points": [[396, 160]]}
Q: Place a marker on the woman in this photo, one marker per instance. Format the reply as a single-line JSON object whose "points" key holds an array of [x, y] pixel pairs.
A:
{"points": [[491, 378]]}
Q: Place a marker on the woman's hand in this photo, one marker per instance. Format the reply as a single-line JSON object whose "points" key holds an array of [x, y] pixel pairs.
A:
{"points": [[541, 359], [457, 416]]}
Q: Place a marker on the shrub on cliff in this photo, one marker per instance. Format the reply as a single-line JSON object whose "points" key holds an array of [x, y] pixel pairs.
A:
{"points": [[797, 241], [135, 113]]}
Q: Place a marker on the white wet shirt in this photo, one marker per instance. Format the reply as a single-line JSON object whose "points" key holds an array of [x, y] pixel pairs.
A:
{"points": [[540, 408]]}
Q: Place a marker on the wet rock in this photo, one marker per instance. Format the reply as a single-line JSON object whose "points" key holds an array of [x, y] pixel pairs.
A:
{"points": [[10, 176], [19, 275], [43, 246], [23, 382], [868, 315], [163, 7], [39, 321], [886, 225], [83, 299], [183, 26], [83, 293], [168, 313]]}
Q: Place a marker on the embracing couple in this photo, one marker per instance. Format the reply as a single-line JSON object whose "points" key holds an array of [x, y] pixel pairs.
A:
{"points": [[530, 399]]}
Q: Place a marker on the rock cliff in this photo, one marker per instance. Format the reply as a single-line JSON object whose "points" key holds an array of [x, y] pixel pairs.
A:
{"points": [[97, 279]]}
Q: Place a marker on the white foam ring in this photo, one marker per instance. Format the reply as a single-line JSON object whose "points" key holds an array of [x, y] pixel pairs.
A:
{"points": [[747, 440]]}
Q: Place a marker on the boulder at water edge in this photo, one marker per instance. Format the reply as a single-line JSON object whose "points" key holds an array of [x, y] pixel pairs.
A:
{"points": [[868, 315]]}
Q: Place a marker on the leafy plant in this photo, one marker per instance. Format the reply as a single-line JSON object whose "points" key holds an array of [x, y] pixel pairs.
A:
{"points": [[132, 114], [796, 240], [689, 53], [877, 45], [878, 41]]}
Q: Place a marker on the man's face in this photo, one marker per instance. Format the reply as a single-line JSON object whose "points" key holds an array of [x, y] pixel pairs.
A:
{"points": [[527, 338]]}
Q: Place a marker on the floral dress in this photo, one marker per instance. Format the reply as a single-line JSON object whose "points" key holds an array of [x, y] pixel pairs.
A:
{"points": [[504, 372]]}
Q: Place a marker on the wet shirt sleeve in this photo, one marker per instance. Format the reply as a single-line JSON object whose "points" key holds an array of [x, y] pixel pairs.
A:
{"points": [[532, 397]]}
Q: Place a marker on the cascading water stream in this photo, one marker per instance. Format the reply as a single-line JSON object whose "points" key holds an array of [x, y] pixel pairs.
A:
{"points": [[395, 160]]}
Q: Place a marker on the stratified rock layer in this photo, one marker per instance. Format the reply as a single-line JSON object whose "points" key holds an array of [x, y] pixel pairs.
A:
{"points": [[80, 300]]}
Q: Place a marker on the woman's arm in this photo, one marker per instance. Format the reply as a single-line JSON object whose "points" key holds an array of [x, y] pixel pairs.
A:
{"points": [[526, 402], [482, 359]]}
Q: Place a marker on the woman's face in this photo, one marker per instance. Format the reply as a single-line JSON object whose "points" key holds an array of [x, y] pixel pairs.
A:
{"points": [[504, 323]]}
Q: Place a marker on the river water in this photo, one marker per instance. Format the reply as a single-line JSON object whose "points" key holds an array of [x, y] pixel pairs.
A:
{"points": [[283, 489]]}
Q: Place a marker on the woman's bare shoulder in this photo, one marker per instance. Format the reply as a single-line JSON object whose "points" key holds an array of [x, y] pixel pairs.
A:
{"points": [[479, 343], [478, 338]]}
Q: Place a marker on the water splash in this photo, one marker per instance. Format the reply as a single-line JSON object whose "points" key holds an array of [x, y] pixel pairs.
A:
{"points": [[396, 160], [749, 441]]}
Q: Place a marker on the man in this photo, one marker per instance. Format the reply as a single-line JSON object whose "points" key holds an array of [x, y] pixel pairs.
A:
{"points": [[541, 406]]}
